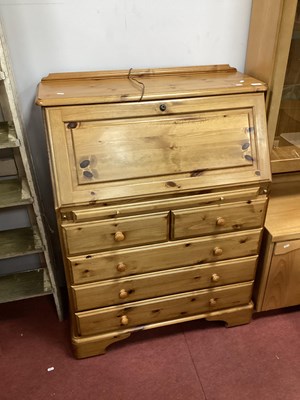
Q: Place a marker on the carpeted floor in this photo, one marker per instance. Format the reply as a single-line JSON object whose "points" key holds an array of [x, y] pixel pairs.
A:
{"points": [[193, 361]]}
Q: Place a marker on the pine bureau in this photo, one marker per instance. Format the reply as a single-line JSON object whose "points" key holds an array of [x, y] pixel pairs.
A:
{"points": [[160, 179]]}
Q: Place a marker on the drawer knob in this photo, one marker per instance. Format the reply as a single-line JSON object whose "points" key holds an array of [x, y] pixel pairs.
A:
{"points": [[121, 267], [217, 251], [119, 236], [123, 294], [220, 221], [124, 320], [215, 278], [212, 302], [162, 107]]}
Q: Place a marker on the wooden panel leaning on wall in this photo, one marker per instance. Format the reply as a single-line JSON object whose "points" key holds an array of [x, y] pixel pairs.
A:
{"points": [[160, 179]]}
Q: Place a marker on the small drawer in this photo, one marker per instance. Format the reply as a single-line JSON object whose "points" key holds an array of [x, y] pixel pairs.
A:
{"points": [[127, 262], [218, 219], [144, 286], [162, 309], [116, 233]]}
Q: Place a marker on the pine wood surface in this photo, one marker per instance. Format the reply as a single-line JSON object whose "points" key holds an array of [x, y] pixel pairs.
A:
{"points": [[277, 283], [283, 285], [151, 157], [87, 213], [285, 159], [163, 308], [120, 86], [165, 145], [177, 280], [283, 217], [160, 180], [220, 219], [94, 267], [97, 236], [269, 41], [87, 346]]}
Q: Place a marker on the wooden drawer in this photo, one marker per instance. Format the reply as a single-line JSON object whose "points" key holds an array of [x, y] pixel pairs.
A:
{"points": [[116, 233], [162, 308], [163, 283], [217, 219], [117, 264], [216, 197]]}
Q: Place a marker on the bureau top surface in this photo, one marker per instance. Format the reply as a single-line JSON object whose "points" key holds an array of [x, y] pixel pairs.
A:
{"points": [[74, 88]]}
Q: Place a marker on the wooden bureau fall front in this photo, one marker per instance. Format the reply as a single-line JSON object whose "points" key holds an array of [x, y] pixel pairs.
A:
{"points": [[160, 180]]}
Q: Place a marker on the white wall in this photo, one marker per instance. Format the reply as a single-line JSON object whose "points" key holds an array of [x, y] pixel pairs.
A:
{"points": [[72, 35]]}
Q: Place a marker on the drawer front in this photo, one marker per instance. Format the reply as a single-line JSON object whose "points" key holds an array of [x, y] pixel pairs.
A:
{"points": [[116, 233], [163, 283], [162, 309], [217, 219], [117, 264], [217, 198]]}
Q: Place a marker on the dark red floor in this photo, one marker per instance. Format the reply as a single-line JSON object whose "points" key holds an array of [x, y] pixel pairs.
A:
{"points": [[194, 361]]}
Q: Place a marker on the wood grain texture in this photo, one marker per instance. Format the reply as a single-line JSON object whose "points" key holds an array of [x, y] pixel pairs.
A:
{"points": [[118, 86], [92, 345], [97, 236], [278, 280], [87, 213], [163, 308], [163, 283], [205, 220], [94, 267], [283, 220], [269, 41], [161, 179], [193, 147], [283, 286]]}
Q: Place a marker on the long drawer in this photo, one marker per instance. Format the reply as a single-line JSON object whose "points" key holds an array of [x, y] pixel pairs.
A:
{"points": [[218, 219], [118, 291], [162, 308], [218, 198], [127, 262], [116, 233]]}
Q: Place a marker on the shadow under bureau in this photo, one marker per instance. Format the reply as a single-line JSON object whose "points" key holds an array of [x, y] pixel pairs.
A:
{"points": [[160, 179]]}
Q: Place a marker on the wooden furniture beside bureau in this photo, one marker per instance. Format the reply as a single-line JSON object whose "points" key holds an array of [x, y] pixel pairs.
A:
{"points": [[279, 283], [160, 180], [273, 56]]}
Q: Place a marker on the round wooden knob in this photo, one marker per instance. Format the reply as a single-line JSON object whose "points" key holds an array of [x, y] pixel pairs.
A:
{"points": [[121, 267], [212, 302], [217, 251], [123, 294], [220, 221], [119, 236], [215, 277], [124, 320]]}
